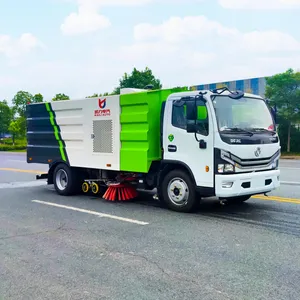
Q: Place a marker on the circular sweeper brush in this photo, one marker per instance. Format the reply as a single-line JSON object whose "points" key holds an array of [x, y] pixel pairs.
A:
{"points": [[120, 192]]}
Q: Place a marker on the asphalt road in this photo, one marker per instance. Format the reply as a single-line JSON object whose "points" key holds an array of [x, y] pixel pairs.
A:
{"points": [[83, 247]]}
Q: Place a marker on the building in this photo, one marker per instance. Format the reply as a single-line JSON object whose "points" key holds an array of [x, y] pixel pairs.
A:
{"points": [[255, 86]]}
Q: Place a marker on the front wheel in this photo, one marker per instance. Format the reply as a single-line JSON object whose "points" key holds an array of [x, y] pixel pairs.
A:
{"points": [[178, 191]]}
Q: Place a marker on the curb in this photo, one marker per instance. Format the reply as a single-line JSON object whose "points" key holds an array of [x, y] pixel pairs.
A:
{"points": [[290, 157]]}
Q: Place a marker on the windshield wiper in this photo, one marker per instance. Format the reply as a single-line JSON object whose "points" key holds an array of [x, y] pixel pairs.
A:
{"points": [[263, 130], [236, 129]]}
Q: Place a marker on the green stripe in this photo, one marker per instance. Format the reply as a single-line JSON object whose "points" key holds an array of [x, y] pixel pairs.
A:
{"points": [[56, 132]]}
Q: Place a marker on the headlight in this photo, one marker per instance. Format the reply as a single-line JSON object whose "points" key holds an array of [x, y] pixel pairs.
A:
{"points": [[225, 168], [275, 164]]}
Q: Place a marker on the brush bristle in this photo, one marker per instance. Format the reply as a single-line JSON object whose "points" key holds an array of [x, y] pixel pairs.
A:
{"points": [[120, 192]]}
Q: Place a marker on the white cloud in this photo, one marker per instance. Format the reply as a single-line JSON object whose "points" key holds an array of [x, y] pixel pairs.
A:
{"points": [[13, 48], [268, 41], [88, 18], [101, 3], [202, 31], [194, 50], [175, 29], [85, 20], [260, 4]]}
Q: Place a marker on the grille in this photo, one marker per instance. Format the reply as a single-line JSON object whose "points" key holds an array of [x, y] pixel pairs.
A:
{"points": [[103, 136], [262, 162], [249, 163]]}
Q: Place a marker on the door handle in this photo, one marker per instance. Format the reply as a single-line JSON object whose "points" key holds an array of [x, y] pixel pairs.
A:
{"points": [[172, 148]]}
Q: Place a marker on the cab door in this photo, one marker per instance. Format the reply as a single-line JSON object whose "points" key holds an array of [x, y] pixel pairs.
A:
{"points": [[195, 151]]}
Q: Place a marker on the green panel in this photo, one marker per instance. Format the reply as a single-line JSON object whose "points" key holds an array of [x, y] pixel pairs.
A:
{"points": [[140, 128]]}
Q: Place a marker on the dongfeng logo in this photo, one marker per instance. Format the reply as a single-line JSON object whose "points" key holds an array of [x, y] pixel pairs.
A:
{"points": [[257, 152], [102, 112], [102, 103]]}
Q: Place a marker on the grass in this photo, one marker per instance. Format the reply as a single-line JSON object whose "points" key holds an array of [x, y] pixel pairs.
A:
{"points": [[22, 150]]}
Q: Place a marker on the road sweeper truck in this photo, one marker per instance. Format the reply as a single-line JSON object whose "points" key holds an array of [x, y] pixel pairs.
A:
{"points": [[185, 144]]}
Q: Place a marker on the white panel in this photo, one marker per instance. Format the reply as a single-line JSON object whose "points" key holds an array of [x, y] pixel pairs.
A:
{"points": [[76, 119]]}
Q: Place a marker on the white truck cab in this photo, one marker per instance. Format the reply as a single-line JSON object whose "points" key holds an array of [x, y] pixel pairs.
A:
{"points": [[226, 140]]}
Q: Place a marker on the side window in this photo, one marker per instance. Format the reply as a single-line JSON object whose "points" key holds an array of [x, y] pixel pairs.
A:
{"points": [[202, 120], [178, 116]]}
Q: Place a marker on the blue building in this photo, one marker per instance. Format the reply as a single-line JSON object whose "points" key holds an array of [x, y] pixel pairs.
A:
{"points": [[5, 136], [255, 86]]}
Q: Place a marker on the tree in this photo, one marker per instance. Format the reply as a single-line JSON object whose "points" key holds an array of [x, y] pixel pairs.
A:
{"points": [[139, 80], [14, 129], [97, 95], [20, 100], [283, 90], [37, 98], [5, 117], [59, 97]]}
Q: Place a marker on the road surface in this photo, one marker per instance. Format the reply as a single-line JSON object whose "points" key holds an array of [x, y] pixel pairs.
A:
{"points": [[83, 247]]}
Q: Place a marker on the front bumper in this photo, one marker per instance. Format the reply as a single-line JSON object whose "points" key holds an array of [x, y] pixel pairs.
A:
{"points": [[246, 183]]}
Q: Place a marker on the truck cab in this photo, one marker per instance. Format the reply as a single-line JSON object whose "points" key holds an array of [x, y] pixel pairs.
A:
{"points": [[226, 141]]}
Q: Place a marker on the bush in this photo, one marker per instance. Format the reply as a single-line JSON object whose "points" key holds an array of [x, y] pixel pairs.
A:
{"points": [[9, 141], [4, 147]]}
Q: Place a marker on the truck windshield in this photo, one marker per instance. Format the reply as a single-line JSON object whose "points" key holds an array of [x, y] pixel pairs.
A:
{"points": [[243, 115]]}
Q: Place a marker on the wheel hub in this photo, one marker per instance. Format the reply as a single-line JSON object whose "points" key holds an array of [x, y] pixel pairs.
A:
{"points": [[61, 179], [178, 191]]}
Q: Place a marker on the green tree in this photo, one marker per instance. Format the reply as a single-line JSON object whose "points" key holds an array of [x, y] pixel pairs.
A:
{"points": [[20, 100], [97, 95], [14, 129], [37, 98], [283, 90], [59, 97], [5, 117], [139, 80]]}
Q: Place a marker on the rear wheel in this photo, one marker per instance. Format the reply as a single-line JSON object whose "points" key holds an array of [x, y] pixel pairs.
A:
{"points": [[66, 181], [178, 192]]}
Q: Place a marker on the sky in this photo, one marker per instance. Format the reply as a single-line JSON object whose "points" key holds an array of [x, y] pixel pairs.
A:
{"points": [[82, 47]]}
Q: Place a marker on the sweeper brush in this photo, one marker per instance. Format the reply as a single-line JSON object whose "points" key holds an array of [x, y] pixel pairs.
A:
{"points": [[120, 192]]}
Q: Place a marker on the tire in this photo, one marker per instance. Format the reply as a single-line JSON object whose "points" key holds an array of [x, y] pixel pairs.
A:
{"points": [[171, 186], [240, 199], [66, 181]]}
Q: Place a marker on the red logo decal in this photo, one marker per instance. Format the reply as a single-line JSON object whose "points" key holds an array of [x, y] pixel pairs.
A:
{"points": [[102, 103], [102, 112]]}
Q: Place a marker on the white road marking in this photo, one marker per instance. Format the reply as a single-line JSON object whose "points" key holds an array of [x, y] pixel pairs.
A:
{"points": [[102, 215], [287, 168], [17, 160], [290, 183]]}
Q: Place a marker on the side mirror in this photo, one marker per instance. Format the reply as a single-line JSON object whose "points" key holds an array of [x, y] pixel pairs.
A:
{"points": [[274, 114], [199, 123], [191, 116], [191, 126], [191, 110]]}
